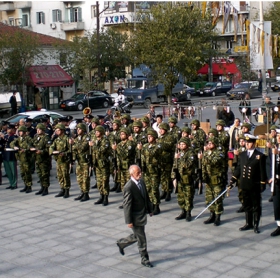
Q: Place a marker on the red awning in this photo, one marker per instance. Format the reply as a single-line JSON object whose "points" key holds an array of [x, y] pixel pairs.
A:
{"points": [[219, 69], [48, 76]]}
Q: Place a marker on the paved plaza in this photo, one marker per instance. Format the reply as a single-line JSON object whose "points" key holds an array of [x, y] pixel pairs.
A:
{"points": [[55, 237]]}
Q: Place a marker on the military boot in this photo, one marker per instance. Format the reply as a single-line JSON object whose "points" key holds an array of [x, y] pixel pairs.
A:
{"points": [[66, 194], [182, 215], [256, 223], [94, 186], [217, 220], [276, 232], [156, 210], [211, 219], [24, 189], [61, 193], [100, 200], [163, 195], [28, 190], [168, 196], [240, 210], [188, 216], [81, 195], [105, 200], [40, 191], [115, 187], [45, 191], [85, 197], [249, 221], [119, 189]]}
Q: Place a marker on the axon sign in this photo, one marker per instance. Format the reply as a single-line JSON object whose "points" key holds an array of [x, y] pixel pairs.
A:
{"points": [[114, 19]]}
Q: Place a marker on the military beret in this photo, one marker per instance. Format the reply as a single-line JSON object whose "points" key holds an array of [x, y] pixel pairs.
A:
{"points": [[95, 120], [82, 126], [145, 119], [118, 122], [152, 132], [214, 140], [247, 125], [185, 140], [186, 129], [100, 128], [164, 126], [125, 130], [40, 126], [220, 122], [172, 120], [60, 126], [137, 123], [22, 128], [195, 122]]}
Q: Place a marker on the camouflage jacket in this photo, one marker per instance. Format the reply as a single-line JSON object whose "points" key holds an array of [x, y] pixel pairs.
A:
{"points": [[187, 163], [114, 137], [139, 138], [125, 153], [80, 149], [167, 144], [150, 157], [61, 144], [176, 133], [24, 144], [199, 136], [101, 152], [223, 138], [42, 143]]}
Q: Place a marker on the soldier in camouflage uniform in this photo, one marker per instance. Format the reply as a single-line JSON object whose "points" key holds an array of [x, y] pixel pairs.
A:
{"points": [[198, 134], [174, 129], [60, 149], [80, 150], [150, 162], [138, 136], [186, 132], [167, 144], [212, 166], [185, 162], [145, 124], [23, 144], [125, 153], [40, 147], [127, 123], [100, 158]]}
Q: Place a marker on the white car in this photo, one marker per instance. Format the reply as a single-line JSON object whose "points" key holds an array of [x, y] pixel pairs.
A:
{"points": [[35, 115]]}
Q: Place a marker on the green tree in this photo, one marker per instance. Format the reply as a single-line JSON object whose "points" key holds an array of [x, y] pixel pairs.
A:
{"points": [[172, 38]]}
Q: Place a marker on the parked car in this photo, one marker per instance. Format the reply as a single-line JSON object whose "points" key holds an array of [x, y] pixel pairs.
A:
{"points": [[275, 86], [92, 99], [251, 87], [35, 115], [189, 91], [215, 88], [181, 98]]}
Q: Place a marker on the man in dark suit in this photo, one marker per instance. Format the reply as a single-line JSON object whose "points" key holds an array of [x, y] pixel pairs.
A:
{"points": [[252, 174], [136, 205]]}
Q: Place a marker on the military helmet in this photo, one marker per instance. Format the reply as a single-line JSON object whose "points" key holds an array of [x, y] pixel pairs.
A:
{"points": [[241, 136], [95, 120], [60, 126], [152, 132], [118, 122], [22, 128], [221, 122], [40, 126], [100, 128], [145, 119], [246, 125], [196, 122], [82, 126], [164, 126], [126, 116], [214, 140], [172, 120], [273, 127], [213, 131], [186, 129], [137, 123], [125, 130], [185, 140]]}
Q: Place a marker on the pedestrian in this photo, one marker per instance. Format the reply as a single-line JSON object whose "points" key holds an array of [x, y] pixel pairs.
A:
{"points": [[13, 102], [37, 100], [136, 205], [245, 108], [227, 116], [252, 174]]}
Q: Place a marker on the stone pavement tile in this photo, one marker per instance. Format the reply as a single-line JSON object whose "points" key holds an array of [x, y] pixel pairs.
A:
{"points": [[47, 244], [14, 245], [79, 234], [204, 273], [221, 266], [182, 269], [76, 252], [59, 259], [248, 253], [91, 269], [17, 272], [167, 274], [5, 266], [240, 272], [44, 254], [125, 266], [109, 261], [32, 240], [112, 273], [257, 264], [62, 248], [73, 274], [146, 272], [269, 256], [9, 256], [267, 274], [52, 270], [235, 260]]}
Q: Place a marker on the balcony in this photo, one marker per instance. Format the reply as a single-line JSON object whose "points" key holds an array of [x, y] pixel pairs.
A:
{"points": [[72, 26], [7, 6], [23, 4]]}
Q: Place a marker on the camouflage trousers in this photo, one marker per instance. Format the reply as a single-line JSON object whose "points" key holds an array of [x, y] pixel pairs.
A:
{"points": [[165, 177], [82, 173], [102, 179], [43, 171], [185, 196], [25, 172], [124, 177], [152, 186], [63, 175], [211, 192]]}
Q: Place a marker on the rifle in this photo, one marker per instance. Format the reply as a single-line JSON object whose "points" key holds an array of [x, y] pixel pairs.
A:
{"points": [[90, 173], [115, 165], [71, 159], [199, 177], [138, 157], [176, 174]]}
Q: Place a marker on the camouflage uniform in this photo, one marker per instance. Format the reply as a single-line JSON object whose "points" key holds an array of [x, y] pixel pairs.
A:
{"points": [[24, 144], [212, 166], [175, 131], [198, 134], [167, 144], [80, 150], [61, 144], [101, 152], [41, 142]]}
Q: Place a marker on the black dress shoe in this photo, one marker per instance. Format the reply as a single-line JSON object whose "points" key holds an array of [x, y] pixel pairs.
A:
{"points": [[270, 199], [8, 188], [146, 263], [276, 232], [120, 249], [120, 207], [13, 188]]}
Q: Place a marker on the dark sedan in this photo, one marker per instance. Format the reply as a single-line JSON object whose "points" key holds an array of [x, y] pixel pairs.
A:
{"points": [[241, 89], [92, 99]]}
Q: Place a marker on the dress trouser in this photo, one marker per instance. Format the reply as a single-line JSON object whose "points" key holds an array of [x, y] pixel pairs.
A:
{"points": [[276, 201], [11, 171], [139, 236]]}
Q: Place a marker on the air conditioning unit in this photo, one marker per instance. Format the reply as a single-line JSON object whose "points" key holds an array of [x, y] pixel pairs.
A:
{"points": [[53, 25]]}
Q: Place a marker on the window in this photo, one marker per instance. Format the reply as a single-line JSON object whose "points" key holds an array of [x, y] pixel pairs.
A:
{"points": [[11, 21], [56, 15], [62, 58], [93, 11], [24, 20], [75, 14], [229, 44], [40, 18], [228, 28]]}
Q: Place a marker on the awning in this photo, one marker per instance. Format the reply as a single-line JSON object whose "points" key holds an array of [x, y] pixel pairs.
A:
{"points": [[219, 69], [48, 76]]}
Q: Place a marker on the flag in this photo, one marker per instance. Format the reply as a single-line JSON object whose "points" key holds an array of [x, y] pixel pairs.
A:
{"points": [[235, 22], [226, 14], [215, 11]]}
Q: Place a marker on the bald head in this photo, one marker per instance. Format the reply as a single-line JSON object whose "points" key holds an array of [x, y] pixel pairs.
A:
{"points": [[135, 172]]}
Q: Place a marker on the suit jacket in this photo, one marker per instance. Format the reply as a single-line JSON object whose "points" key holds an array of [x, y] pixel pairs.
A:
{"points": [[251, 171], [135, 205]]}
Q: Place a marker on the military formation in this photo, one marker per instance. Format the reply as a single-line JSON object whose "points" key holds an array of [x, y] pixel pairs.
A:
{"points": [[171, 158]]}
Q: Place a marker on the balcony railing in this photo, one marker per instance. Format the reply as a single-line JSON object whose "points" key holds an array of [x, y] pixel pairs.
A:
{"points": [[71, 26]]}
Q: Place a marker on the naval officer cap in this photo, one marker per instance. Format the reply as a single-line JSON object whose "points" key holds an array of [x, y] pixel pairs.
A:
{"points": [[250, 138]]}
